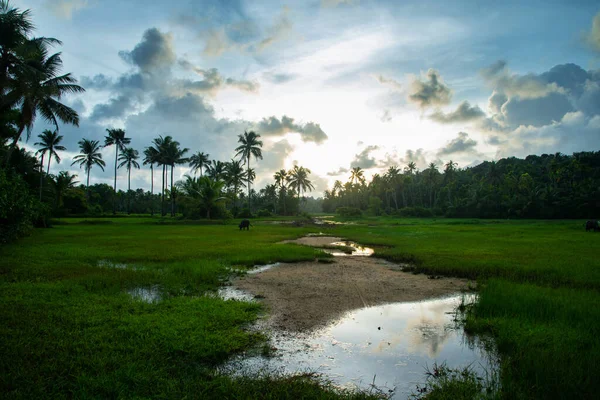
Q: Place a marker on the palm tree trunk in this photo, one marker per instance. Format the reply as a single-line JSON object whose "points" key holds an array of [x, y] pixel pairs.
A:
{"points": [[284, 212], [88, 182], [162, 201], [248, 176], [172, 196], [151, 191], [129, 190], [115, 184], [42, 175]]}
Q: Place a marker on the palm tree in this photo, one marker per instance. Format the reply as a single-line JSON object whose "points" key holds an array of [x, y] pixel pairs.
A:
{"points": [[151, 157], [210, 194], [337, 187], [63, 182], [116, 137], [89, 156], [299, 180], [199, 161], [281, 180], [393, 177], [250, 146], [37, 87], [160, 145], [129, 159], [235, 176], [216, 170], [172, 154], [357, 175], [50, 143]]}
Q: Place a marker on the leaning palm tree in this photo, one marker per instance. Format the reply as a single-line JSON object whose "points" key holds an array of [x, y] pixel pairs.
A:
{"points": [[128, 159], [36, 87], [281, 180], [49, 143], [151, 157], [199, 161], [117, 138], [299, 180], [250, 146], [89, 156]]}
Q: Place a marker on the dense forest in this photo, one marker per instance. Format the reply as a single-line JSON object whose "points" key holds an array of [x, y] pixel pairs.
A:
{"points": [[546, 186]]}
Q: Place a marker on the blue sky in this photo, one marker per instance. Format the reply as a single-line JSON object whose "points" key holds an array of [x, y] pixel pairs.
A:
{"points": [[332, 84]]}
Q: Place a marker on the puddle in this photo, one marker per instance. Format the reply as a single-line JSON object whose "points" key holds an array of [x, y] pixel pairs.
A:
{"points": [[111, 264], [261, 268], [389, 346], [357, 250], [150, 294], [232, 293]]}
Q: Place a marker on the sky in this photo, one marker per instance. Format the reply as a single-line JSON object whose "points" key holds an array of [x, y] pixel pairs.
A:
{"points": [[330, 84]]}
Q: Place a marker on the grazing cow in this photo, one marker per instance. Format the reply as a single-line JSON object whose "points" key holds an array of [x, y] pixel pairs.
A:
{"points": [[245, 224], [592, 224]]}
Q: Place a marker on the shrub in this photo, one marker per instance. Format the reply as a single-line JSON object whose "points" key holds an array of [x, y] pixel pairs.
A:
{"points": [[264, 213], [244, 213], [348, 212], [419, 212]]}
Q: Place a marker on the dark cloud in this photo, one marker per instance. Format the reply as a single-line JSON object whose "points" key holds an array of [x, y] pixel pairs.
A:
{"points": [[272, 126], [416, 156], [97, 82], [364, 159], [463, 113], [496, 101], [153, 54], [537, 112], [116, 107], [340, 171], [529, 86], [429, 91], [460, 144], [213, 81]]}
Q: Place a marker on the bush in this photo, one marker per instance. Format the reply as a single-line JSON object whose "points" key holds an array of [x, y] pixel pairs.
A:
{"points": [[244, 213], [264, 213], [348, 212], [418, 212], [19, 209]]}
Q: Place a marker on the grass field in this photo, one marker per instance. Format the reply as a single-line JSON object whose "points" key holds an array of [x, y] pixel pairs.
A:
{"points": [[70, 328]]}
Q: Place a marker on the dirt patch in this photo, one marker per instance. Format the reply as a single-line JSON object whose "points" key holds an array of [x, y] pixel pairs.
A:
{"points": [[307, 295]]}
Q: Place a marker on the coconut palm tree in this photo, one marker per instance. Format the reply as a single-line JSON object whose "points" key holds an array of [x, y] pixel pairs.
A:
{"points": [[299, 180], [216, 170], [49, 143], [250, 146], [61, 183], [36, 87], [171, 154], [160, 146], [128, 159], [198, 161], [117, 138], [357, 175], [337, 187], [235, 176], [151, 158], [89, 156], [210, 194], [281, 180]]}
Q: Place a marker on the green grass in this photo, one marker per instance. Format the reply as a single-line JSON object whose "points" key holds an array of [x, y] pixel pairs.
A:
{"points": [[70, 329], [539, 294]]}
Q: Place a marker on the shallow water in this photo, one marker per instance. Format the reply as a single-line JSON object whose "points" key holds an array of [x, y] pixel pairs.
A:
{"points": [[150, 294], [111, 264], [357, 250], [389, 346]]}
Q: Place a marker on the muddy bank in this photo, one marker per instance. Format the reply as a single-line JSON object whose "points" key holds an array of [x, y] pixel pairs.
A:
{"points": [[307, 295]]}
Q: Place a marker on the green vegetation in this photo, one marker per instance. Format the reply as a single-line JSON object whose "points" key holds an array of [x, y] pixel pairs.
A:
{"points": [[538, 297]]}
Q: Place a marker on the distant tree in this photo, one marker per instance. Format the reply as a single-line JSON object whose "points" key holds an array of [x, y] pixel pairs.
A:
{"points": [[250, 146], [216, 170], [89, 156], [235, 176], [117, 138], [357, 175], [199, 161], [150, 158], [49, 143], [281, 180], [299, 180], [129, 159], [61, 183]]}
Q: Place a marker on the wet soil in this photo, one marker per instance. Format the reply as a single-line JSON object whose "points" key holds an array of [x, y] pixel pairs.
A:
{"points": [[308, 295]]}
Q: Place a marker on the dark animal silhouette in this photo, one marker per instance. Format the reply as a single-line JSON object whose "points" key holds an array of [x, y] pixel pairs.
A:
{"points": [[592, 224], [245, 224]]}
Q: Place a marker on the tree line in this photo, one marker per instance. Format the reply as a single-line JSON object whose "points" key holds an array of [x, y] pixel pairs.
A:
{"points": [[546, 186]]}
